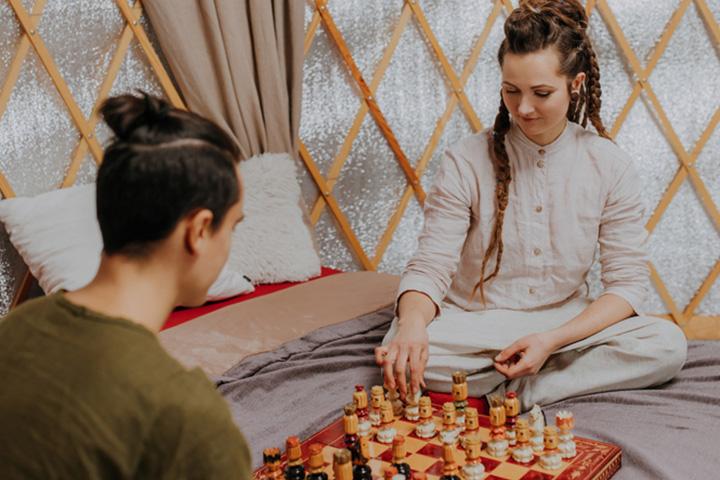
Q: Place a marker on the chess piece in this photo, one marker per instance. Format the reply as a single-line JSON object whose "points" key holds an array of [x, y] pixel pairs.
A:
{"points": [[377, 396], [537, 425], [522, 453], [473, 468], [316, 463], [271, 460], [412, 410], [361, 469], [360, 458], [498, 444], [565, 423], [472, 425], [391, 473], [550, 458], [450, 467], [450, 431], [397, 404], [294, 470], [386, 433], [512, 410], [361, 402], [350, 425], [399, 454], [460, 395], [342, 468], [426, 428]]}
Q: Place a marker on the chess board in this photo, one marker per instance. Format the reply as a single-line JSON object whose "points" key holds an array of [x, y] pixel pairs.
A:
{"points": [[594, 460]]}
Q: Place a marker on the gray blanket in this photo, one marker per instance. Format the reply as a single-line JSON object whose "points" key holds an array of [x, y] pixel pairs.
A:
{"points": [[672, 431]]}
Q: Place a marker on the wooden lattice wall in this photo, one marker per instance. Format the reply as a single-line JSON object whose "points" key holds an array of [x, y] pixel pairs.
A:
{"points": [[456, 80]]}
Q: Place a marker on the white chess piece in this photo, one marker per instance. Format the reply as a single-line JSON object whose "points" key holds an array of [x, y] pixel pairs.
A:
{"points": [[537, 424]]}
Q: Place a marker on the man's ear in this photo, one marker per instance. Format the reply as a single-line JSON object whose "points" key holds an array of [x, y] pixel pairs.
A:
{"points": [[198, 227]]}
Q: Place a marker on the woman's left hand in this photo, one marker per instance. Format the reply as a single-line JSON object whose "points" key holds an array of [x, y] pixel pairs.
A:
{"points": [[525, 357]]}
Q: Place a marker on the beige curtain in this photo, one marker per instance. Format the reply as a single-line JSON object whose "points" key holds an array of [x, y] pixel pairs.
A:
{"points": [[238, 62]]}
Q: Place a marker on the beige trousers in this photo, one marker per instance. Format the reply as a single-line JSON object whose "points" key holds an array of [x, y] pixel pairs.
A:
{"points": [[637, 352]]}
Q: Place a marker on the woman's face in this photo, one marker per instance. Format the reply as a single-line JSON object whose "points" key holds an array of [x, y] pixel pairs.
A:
{"points": [[536, 93]]}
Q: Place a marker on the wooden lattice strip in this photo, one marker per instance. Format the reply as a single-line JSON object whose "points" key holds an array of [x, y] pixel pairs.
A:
{"points": [[107, 83], [133, 20], [375, 111], [662, 290], [455, 85], [425, 158], [342, 155], [60, 85], [310, 34], [710, 21], [702, 291], [342, 221]]}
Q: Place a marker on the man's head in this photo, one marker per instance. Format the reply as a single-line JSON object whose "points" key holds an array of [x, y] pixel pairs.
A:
{"points": [[168, 184]]}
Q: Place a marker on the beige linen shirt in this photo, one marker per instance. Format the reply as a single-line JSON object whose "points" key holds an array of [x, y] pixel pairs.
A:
{"points": [[565, 199]]}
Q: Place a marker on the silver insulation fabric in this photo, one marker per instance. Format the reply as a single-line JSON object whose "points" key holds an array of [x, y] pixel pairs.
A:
{"points": [[37, 136]]}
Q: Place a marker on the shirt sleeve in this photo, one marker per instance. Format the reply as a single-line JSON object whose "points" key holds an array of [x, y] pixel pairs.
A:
{"points": [[623, 259], [447, 219]]}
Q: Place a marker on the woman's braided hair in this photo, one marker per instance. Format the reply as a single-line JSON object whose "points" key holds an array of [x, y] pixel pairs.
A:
{"points": [[533, 26]]}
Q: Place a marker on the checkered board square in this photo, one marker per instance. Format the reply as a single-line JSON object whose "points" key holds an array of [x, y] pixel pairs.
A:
{"points": [[594, 460]]}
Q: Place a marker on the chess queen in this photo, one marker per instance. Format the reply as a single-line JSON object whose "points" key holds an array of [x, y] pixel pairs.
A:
{"points": [[496, 286]]}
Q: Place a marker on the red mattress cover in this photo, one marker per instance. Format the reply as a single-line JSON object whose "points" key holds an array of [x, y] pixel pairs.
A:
{"points": [[182, 315]]}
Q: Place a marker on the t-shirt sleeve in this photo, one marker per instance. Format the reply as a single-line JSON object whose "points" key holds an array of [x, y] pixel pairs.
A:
{"points": [[194, 436]]}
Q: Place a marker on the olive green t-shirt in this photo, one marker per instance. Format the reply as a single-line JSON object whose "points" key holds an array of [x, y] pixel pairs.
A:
{"points": [[83, 395]]}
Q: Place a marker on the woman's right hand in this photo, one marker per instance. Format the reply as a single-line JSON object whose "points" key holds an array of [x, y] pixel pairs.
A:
{"points": [[409, 348]]}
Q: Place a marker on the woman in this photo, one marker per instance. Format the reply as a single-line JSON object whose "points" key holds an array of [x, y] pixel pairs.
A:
{"points": [[511, 227]]}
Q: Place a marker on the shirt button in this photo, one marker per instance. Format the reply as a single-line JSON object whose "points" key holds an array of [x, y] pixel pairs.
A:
{"points": [[541, 151], [538, 209], [540, 163], [532, 291], [537, 252]]}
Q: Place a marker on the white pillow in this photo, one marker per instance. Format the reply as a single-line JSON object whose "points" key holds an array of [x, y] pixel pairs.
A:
{"points": [[58, 237], [273, 243]]}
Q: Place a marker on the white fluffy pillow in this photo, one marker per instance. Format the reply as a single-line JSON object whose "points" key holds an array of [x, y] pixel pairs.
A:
{"points": [[58, 237], [273, 243]]}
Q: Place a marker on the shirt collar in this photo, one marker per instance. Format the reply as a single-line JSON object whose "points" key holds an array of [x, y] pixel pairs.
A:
{"points": [[517, 137]]}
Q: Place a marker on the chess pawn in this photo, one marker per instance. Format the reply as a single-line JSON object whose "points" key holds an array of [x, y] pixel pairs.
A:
{"points": [[316, 463], [512, 409], [271, 460], [450, 467], [377, 396], [397, 404], [522, 453], [360, 458], [426, 427], [473, 468], [350, 425], [460, 395], [294, 470], [472, 425], [361, 403], [498, 444], [450, 431], [550, 458], [386, 433], [342, 468], [565, 423], [412, 410], [399, 454], [537, 425]]}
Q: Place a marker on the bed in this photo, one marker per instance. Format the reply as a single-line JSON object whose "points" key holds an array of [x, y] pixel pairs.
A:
{"points": [[286, 363]]}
